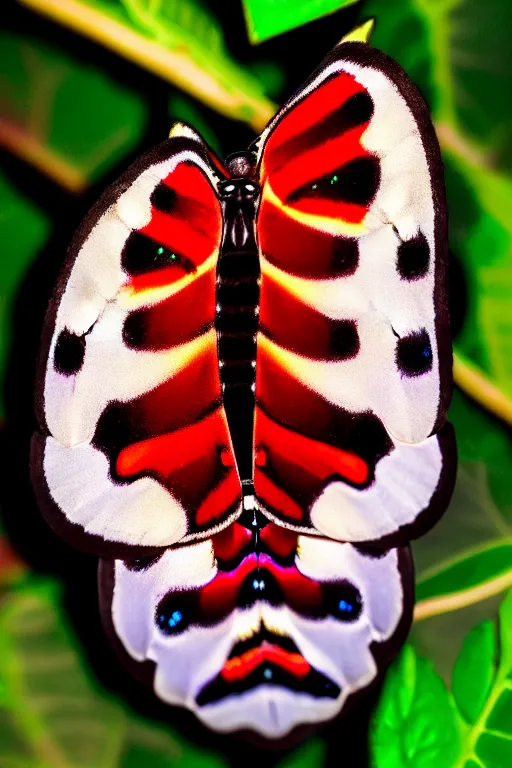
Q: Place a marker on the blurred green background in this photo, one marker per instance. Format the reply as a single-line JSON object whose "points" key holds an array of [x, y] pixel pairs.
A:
{"points": [[85, 86]]}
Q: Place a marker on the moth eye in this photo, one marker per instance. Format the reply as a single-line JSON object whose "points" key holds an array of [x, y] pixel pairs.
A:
{"points": [[171, 620], [347, 603]]}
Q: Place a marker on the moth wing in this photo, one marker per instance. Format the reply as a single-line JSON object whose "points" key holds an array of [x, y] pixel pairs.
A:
{"points": [[133, 450], [316, 638], [354, 355]]}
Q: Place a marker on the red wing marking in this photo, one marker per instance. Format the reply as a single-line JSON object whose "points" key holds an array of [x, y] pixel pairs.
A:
{"points": [[309, 113], [280, 541], [317, 162], [187, 459], [220, 596], [318, 458], [222, 497], [177, 432], [289, 322], [240, 666], [308, 165], [274, 497], [289, 245], [171, 322], [231, 542]]}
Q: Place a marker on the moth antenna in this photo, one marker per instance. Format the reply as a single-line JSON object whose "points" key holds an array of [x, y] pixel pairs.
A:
{"points": [[361, 34]]}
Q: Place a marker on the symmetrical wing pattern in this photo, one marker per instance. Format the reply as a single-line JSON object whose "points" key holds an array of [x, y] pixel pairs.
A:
{"points": [[244, 378], [136, 450], [266, 640], [353, 364]]}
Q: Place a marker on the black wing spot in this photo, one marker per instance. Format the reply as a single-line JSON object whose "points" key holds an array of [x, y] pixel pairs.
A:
{"points": [[135, 330], [259, 585], [176, 612], [357, 110], [344, 341], [345, 256], [164, 198], [141, 563], [69, 353], [142, 254], [413, 257], [414, 353], [355, 182], [344, 601]]}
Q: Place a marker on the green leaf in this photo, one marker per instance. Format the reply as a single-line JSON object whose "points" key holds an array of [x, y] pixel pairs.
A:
{"points": [[474, 671], [71, 121], [415, 723], [23, 230], [268, 18], [178, 40], [51, 714], [488, 742], [418, 723]]}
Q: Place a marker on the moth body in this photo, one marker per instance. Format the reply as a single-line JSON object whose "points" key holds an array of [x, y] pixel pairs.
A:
{"points": [[237, 309]]}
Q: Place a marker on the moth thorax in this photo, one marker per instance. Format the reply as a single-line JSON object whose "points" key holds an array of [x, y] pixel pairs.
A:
{"points": [[241, 165]]}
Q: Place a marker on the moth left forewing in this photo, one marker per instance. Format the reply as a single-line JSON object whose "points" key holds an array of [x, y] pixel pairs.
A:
{"points": [[134, 450], [354, 322]]}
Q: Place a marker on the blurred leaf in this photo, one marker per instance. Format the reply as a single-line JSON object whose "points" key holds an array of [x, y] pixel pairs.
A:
{"points": [[53, 714], [268, 18], [181, 108], [480, 512], [23, 229], [150, 746], [72, 122], [477, 523], [12, 568], [471, 577], [171, 22], [474, 671], [270, 75], [481, 236], [180, 41], [415, 724], [50, 709], [459, 53], [308, 755]]}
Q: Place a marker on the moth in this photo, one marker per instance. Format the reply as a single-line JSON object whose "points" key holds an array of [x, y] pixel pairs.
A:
{"points": [[242, 394]]}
